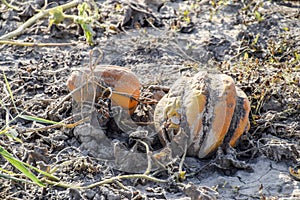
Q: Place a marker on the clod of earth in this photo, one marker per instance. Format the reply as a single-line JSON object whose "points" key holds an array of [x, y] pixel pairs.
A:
{"points": [[118, 83], [201, 113]]}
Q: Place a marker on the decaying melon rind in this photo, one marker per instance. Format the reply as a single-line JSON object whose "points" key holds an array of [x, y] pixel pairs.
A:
{"points": [[240, 120], [221, 100], [195, 101], [207, 104], [168, 111], [121, 80]]}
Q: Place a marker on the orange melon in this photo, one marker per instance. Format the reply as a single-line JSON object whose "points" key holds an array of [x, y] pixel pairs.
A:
{"points": [[89, 86], [200, 112]]}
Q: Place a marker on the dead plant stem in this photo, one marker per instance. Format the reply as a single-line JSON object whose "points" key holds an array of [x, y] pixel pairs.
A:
{"points": [[149, 166], [106, 181], [33, 44], [57, 126]]}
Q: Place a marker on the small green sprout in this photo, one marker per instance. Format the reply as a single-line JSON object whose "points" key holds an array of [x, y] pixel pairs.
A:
{"points": [[258, 16], [186, 16]]}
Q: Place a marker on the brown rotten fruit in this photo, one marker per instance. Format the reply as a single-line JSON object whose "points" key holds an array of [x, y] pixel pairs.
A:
{"points": [[90, 85], [199, 114]]}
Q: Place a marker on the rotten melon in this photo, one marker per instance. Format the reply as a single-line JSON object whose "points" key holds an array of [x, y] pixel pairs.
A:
{"points": [[88, 86], [201, 113]]}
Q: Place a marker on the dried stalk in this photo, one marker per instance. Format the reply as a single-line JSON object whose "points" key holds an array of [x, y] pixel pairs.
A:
{"points": [[33, 44], [106, 181], [70, 126]]}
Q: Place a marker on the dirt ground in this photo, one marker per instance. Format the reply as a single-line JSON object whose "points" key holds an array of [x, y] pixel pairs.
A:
{"points": [[257, 42]]}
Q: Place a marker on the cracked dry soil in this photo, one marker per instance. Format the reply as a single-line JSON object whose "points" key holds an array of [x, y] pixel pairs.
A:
{"points": [[255, 42]]}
